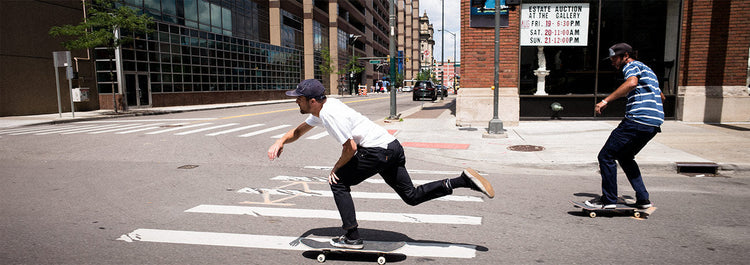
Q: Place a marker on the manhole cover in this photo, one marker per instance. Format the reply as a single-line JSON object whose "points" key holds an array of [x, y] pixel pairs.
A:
{"points": [[188, 167], [525, 148]]}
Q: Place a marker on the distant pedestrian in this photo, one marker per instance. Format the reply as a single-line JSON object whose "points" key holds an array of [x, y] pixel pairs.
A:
{"points": [[644, 114], [367, 149]]}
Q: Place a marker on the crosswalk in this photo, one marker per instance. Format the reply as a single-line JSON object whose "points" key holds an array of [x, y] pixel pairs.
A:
{"points": [[160, 127], [263, 203]]}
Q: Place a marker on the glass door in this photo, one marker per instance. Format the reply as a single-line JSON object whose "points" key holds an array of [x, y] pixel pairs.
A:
{"points": [[137, 90]]}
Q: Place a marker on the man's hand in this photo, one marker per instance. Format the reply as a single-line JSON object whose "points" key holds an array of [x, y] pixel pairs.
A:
{"points": [[599, 107], [332, 178], [275, 150]]}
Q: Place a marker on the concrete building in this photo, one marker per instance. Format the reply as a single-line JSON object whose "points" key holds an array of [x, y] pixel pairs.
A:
{"points": [[426, 43], [200, 52], [552, 52], [451, 69]]}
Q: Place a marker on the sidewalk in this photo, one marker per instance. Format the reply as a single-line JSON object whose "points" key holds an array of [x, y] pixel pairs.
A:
{"points": [[429, 131]]}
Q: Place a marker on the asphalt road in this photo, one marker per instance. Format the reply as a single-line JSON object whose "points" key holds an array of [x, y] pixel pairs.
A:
{"points": [[197, 188]]}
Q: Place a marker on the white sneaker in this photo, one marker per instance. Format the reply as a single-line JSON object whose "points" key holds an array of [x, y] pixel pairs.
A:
{"points": [[597, 203]]}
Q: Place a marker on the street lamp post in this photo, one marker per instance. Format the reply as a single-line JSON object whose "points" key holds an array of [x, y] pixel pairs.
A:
{"points": [[351, 74], [454, 56], [442, 50], [495, 126]]}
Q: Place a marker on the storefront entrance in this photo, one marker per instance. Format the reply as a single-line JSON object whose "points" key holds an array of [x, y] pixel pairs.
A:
{"points": [[577, 76], [137, 90]]}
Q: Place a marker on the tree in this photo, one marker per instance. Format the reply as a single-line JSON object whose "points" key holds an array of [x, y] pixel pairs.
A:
{"points": [[98, 29]]}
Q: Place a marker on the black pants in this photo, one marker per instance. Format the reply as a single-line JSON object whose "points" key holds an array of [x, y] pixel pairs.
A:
{"points": [[390, 164]]}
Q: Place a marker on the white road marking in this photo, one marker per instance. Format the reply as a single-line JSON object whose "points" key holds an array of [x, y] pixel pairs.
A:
{"points": [[36, 129], [411, 171], [411, 249], [265, 130], [132, 126], [372, 180], [329, 214], [317, 136], [179, 128], [153, 120], [235, 129], [96, 129], [60, 130], [206, 129], [355, 194]]}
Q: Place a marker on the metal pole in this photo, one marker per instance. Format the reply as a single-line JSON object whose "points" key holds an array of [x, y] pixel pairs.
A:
{"points": [[442, 50], [496, 125], [70, 89], [57, 83], [392, 51]]}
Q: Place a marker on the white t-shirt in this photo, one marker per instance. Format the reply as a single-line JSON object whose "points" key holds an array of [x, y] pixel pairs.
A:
{"points": [[344, 123]]}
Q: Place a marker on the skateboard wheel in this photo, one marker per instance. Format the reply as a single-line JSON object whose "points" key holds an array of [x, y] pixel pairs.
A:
{"points": [[637, 215], [381, 260], [321, 258], [592, 214]]}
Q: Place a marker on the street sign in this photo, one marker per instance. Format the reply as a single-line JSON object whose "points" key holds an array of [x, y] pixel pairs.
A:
{"points": [[374, 61]]}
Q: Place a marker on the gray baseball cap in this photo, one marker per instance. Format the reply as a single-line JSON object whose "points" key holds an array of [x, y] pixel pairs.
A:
{"points": [[619, 49]]}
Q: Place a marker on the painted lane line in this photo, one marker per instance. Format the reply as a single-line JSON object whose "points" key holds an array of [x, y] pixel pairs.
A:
{"points": [[180, 128], [355, 194], [206, 129], [28, 129], [411, 249], [328, 214], [317, 136], [61, 130], [154, 120], [96, 129], [133, 126], [235, 129], [48, 129], [265, 130], [142, 129], [411, 171], [321, 179]]}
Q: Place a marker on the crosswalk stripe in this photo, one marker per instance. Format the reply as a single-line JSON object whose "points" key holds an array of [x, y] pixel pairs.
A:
{"points": [[355, 194], [317, 136], [206, 129], [328, 214], [265, 130], [95, 129], [235, 129], [179, 128], [132, 126], [411, 249], [321, 179], [58, 130], [28, 129], [411, 171]]}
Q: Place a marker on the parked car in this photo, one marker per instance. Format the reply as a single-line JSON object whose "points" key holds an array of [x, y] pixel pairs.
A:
{"points": [[424, 89], [407, 89]]}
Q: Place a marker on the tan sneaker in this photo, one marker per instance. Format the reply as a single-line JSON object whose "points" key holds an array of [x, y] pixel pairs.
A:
{"points": [[479, 183]]}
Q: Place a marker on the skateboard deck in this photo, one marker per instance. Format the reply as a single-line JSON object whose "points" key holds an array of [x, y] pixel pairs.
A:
{"points": [[620, 208], [371, 247]]}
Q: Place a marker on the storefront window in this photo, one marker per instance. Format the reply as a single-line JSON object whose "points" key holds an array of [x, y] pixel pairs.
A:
{"points": [[651, 27]]}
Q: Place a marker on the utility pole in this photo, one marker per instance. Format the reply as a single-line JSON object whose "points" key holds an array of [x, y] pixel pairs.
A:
{"points": [[495, 127], [442, 50], [392, 51]]}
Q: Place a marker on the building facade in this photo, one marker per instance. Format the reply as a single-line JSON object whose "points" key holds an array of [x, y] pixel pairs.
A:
{"points": [[552, 51], [426, 43], [202, 51]]}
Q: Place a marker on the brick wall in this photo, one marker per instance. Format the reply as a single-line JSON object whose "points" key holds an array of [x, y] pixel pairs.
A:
{"points": [[715, 41], [478, 56]]}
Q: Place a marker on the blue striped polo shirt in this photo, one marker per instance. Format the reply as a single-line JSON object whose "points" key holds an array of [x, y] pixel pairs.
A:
{"points": [[644, 102]]}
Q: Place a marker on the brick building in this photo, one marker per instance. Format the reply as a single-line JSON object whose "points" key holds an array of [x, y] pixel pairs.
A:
{"points": [[699, 50]]}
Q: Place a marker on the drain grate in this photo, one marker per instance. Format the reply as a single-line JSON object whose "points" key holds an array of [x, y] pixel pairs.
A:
{"points": [[188, 167], [171, 125], [525, 148]]}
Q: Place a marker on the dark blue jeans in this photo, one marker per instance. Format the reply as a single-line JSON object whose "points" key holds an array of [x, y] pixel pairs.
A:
{"points": [[390, 164], [623, 144]]}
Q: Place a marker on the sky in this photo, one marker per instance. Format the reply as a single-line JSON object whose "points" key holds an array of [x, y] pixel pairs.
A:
{"points": [[452, 24]]}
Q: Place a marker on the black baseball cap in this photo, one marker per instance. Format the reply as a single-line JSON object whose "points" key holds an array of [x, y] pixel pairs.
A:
{"points": [[619, 49], [309, 88]]}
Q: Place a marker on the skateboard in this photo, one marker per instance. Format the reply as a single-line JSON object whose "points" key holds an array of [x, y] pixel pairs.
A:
{"points": [[372, 247], [621, 208]]}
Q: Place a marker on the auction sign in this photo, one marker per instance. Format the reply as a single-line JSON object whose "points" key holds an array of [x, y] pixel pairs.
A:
{"points": [[560, 24]]}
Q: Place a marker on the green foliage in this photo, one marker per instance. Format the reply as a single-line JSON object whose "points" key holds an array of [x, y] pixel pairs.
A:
{"points": [[103, 18], [352, 66], [327, 67]]}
